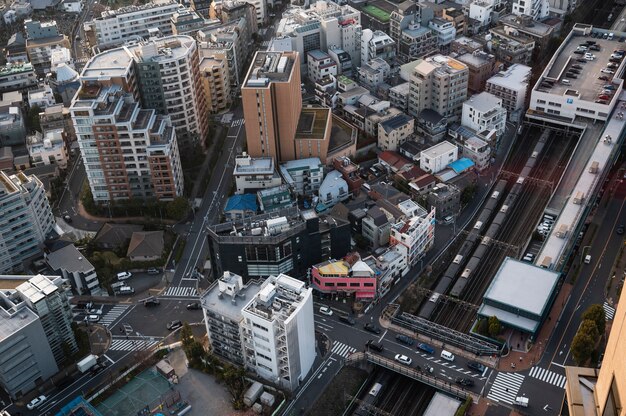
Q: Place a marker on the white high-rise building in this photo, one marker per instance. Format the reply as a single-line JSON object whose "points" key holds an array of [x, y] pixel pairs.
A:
{"points": [[278, 326], [484, 111], [511, 85], [537, 9], [25, 221]]}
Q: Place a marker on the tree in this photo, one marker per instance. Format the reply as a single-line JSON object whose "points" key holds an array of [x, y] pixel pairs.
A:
{"points": [[483, 326], [361, 242], [33, 118], [178, 208], [588, 327], [468, 194], [494, 326], [234, 379], [596, 314], [582, 348]]}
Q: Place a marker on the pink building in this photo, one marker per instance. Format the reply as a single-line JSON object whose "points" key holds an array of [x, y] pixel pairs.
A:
{"points": [[338, 276]]}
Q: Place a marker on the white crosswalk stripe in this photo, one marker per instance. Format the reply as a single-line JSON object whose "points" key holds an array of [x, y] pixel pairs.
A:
{"points": [[181, 291], [548, 376], [342, 349], [505, 387], [265, 43], [609, 311], [113, 314], [238, 122], [131, 344]]}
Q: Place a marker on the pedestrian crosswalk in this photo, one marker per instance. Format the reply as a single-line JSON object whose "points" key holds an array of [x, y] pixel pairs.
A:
{"points": [[238, 122], [505, 387], [342, 349], [136, 344], [265, 43], [181, 292], [609, 311], [113, 314], [548, 376]]}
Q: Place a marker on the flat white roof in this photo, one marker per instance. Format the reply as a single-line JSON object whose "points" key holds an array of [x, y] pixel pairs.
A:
{"points": [[570, 215], [484, 102], [439, 149], [514, 77], [442, 405]]}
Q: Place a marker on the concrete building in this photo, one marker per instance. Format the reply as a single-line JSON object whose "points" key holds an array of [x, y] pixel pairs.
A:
{"points": [[164, 74], [17, 77], [25, 358], [511, 86], [349, 172], [415, 235], [271, 104], [286, 241], [146, 162], [444, 30], [561, 7], [42, 97], [478, 151], [333, 190], [377, 224], [445, 199], [233, 10], [41, 40], [438, 83], [48, 299], [524, 27], [44, 150], [374, 73], [253, 174], [484, 111], [12, 126], [279, 332], [187, 22], [215, 75], [481, 66], [320, 65], [509, 47], [343, 61], [304, 176], [376, 44], [399, 96], [436, 158], [589, 391], [395, 131], [275, 199], [345, 278], [76, 269], [27, 219], [537, 9], [481, 12], [114, 27]]}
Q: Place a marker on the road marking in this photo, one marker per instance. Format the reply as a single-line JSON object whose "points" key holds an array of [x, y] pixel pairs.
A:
{"points": [[383, 335], [107, 357], [180, 291], [549, 377], [342, 350], [505, 387], [131, 344], [609, 311], [112, 315], [557, 364]]}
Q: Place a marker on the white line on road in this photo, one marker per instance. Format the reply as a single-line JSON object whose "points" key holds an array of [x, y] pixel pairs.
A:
{"points": [[383, 335]]}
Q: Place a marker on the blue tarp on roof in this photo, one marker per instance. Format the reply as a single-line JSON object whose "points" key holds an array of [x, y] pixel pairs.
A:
{"points": [[245, 202], [461, 165]]}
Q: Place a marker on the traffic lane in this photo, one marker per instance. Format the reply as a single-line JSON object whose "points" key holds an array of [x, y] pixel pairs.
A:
{"points": [[540, 395], [151, 321]]}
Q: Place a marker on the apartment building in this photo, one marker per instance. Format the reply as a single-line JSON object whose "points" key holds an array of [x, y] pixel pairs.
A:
{"points": [[320, 65], [26, 220], [285, 241], [481, 67], [278, 331], [232, 10], [264, 325], [438, 157], [414, 235], [484, 111], [481, 12], [128, 152], [444, 30], [48, 299], [47, 149], [374, 73], [253, 174], [445, 199], [395, 131], [215, 76], [17, 77], [42, 39], [76, 269], [376, 44], [399, 96], [164, 74], [478, 151], [25, 358], [275, 199], [537, 9], [272, 103], [187, 22], [511, 86], [303, 176], [348, 277], [511, 48], [438, 83], [117, 26]]}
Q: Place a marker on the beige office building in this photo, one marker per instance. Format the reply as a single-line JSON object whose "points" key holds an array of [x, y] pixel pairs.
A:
{"points": [[589, 391]]}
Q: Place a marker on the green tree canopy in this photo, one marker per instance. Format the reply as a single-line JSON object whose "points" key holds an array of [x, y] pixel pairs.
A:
{"points": [[582, 347], [494, 326], [596, 314], [178, 208]]}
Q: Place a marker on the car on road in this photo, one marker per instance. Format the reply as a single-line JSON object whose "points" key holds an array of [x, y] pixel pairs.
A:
{"points": [[92, 318], [466, 382], [193, 306], [325, 310], [151, 301], [98, 367], [174, 325], [403, 359], [123, 275], [403, 339], [588, 259], [36, 402], [376, 346], [153, 271], [95, 311], [371, 328], [67, 218], [426, 348], [475, 365], [347, 319], [620, 229]]}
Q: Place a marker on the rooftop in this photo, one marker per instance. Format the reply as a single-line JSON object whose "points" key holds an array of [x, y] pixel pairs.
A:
{"points": [[461, 165], [342, 134], [440, 149], [524, 23], [37, 288], [133, 9], [318, 55], [270, 67], [516, 74], [279, 298], [12, 69], [70, 259], [226, 297], [13, 319], [247, 165], [312, 123], [245, 202], [395, 122], [484, 102]]}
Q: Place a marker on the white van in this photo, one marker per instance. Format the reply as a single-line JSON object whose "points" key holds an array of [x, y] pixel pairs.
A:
{"points": [[447, 355], [588, 259], [448, 220], [123, 275]]}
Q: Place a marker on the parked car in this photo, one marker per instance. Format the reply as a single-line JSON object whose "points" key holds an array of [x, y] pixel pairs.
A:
{"points": [[570, 75], [577, 66], [193, 306], [153, 270], [98, 368], [404, 339], [603, 97], [607, 71], [426, 348], [466, 382], [609, 87], [325, 310], [174, 325], [347, 319], [602, 101], [403, 359], [123, 275], [67, 218], [371, 328], [579, 52], [581, 60], [376, 346], [36, 402], [612, 65], [151, 301], [475, 365], [92, 318], [620, 230]]}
